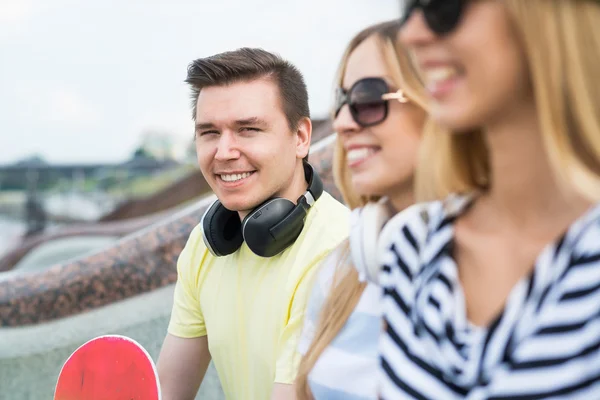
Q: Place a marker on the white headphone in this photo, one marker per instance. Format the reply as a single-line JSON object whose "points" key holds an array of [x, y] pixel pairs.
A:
{"points": [[366, 224], [369, 226]]}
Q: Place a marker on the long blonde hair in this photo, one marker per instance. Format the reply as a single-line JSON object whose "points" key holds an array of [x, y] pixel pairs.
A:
{"points": [[346, 288], [561, 40]]}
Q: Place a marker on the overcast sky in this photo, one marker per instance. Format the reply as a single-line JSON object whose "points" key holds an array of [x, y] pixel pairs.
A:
{"points": [[81, 79]]}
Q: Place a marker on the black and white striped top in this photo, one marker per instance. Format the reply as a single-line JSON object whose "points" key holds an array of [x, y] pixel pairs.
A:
{"points": [[544, 345]]}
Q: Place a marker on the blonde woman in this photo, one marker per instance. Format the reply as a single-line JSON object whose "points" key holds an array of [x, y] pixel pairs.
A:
{"points": [[498, 295], [379, 118]]}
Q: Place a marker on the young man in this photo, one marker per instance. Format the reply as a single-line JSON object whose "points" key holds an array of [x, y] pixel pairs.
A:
{"points": [[245, 310]]}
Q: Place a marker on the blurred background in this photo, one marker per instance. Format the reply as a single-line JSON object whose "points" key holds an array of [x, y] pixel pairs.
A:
{"points": [[96, 149]]}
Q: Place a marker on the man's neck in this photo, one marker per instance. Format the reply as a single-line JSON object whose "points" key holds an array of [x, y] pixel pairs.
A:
{"points": [[296, 188]]}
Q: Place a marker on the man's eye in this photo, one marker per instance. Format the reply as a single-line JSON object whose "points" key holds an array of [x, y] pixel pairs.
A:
{"points": [[249, 128], [204, 133]]}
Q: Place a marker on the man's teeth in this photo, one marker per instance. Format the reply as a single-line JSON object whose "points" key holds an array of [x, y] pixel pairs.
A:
{"points": [[235, 177], [440, 74], [359, 154]]}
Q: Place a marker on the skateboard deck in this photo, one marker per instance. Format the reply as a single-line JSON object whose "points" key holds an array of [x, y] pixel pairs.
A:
{"points": [[108, 367]]}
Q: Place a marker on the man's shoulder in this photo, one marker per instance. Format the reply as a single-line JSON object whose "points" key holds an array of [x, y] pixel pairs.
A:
{"points": [[194, 252], [195, 238], [330, 218], [328, 208], [326, 226]]}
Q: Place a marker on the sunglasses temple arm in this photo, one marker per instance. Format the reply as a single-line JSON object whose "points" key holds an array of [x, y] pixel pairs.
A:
{"points": [[399, 95]]}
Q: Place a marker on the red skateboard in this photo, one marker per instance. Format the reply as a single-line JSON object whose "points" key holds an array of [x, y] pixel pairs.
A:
{"points": [[108, 367]]}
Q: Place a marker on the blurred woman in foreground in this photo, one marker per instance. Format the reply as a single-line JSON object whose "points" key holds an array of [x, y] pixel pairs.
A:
{"points": [[497, 295]]}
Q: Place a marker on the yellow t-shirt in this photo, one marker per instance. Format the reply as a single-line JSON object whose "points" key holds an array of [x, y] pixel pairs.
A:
{"points": [[252, 308]]}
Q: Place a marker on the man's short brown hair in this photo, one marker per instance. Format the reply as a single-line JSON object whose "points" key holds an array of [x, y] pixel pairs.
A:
{"points": [[247, 64]]}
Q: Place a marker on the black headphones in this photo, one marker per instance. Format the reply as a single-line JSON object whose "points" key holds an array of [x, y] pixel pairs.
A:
{"points": [[268, 230]]}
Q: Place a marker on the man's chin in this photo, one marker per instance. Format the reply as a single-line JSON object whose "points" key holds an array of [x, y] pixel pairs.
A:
{"points": [[240, 207], [241, 203]]}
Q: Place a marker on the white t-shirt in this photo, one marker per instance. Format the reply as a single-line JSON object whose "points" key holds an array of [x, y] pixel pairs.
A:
{"points": [[347, 369]]}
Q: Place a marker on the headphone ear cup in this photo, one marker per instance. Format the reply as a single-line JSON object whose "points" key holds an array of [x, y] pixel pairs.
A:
{"points": [[366, 224], [221, 230], [260, 228]]}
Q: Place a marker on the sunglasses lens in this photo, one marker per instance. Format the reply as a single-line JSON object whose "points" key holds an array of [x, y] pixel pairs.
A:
{"points": [[370, 114], [366, 104], [442, 16]]}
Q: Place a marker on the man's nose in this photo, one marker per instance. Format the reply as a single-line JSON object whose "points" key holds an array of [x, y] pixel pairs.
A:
{"points": [[227, 148]]}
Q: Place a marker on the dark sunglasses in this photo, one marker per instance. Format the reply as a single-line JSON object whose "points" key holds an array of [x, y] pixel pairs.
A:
{"points": [[441, 16], [368, 101]]}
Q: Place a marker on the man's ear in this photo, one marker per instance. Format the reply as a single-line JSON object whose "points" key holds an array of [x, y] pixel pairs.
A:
{"points": [[303, 137]]}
